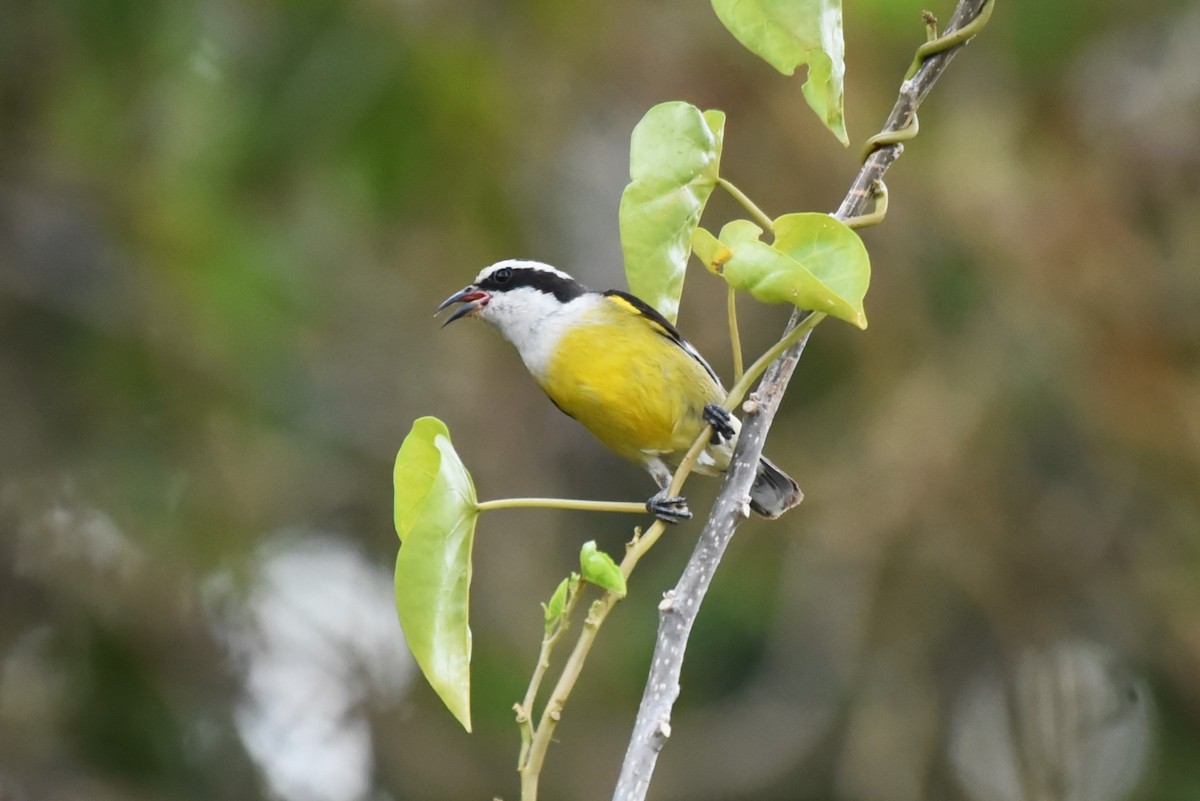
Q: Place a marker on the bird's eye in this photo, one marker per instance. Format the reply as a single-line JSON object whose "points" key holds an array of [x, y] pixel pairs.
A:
{"points": [[503, 275]]}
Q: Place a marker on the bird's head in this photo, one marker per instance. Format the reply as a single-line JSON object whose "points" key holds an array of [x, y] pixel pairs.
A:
{"points": [[514, 295]]}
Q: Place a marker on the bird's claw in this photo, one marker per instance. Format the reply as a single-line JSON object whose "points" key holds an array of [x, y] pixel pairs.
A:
{"points": [[669, 509], [719, 418]]}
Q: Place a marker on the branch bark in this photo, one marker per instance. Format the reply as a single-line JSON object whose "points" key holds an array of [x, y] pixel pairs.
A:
{"points": [[680, 605]]}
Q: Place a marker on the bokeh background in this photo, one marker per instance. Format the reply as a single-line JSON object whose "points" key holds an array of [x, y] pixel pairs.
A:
{"points": [[224, 227]]}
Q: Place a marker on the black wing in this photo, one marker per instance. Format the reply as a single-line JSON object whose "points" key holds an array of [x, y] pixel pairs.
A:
{"points": [[661, 324]]}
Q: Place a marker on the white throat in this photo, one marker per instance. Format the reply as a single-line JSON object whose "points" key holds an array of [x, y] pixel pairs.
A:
{"points": [[535, 322]]}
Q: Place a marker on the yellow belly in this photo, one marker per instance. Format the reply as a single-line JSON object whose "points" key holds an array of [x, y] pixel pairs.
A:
{"points": [[636, 391]]}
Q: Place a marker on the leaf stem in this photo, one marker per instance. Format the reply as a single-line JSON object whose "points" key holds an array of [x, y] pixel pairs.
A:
{"points": [[734, 337], [766, 222], [626, 507], [762, 362]]}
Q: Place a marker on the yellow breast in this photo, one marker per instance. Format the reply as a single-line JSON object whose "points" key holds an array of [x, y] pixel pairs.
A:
{"points": [[636, 390]]}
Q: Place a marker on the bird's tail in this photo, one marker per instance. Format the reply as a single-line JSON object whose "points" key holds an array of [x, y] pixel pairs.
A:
{"points": [[773, 491]]}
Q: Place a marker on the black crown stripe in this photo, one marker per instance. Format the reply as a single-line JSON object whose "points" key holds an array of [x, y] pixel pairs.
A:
{"points": [[564, 288]]}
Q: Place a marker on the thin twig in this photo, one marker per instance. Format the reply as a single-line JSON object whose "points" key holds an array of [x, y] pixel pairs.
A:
{"points": [[535, 740], [681, 605], [524, 709]]}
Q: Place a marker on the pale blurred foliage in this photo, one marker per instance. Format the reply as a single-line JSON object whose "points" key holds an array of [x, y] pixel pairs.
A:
{"points": [[224, 228], [1068, 723]]}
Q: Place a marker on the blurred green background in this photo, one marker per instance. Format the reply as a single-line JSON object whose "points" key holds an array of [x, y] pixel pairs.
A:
{"points": [[224, 228]]}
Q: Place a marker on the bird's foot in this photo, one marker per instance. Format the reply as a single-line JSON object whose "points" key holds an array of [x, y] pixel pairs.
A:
{"points": [[668, 509], [719, 418]]}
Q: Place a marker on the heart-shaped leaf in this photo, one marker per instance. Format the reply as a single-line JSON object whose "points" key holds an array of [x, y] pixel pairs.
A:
{"points": [[816, 262], [674, 160], [788, 33], [833, 252], [435, 513]]}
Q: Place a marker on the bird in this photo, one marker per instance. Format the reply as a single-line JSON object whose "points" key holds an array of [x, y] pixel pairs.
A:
{"points": [[622, 370]]}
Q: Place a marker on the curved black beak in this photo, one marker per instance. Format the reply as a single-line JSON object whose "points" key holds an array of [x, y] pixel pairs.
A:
{"points": [[472, 298]]}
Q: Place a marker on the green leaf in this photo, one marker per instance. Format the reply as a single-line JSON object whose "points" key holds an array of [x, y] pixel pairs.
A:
{"points": [[823, 89], [598, 568], [435, 519], [557, 606], [788, 33], [831, 251], [674, 160], [558, 601], [816, 262], [710, 251]]}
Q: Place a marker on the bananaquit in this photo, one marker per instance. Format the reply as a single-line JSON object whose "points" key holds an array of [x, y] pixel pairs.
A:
{"points": [[622, 370]]}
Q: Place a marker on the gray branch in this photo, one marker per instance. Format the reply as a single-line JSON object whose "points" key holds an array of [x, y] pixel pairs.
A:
{"points": [[680, 606]]}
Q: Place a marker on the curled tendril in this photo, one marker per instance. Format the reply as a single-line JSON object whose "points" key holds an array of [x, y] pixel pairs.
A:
{"points": [[949, 40], [896, 137], [936, 44], [879, 194]]}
